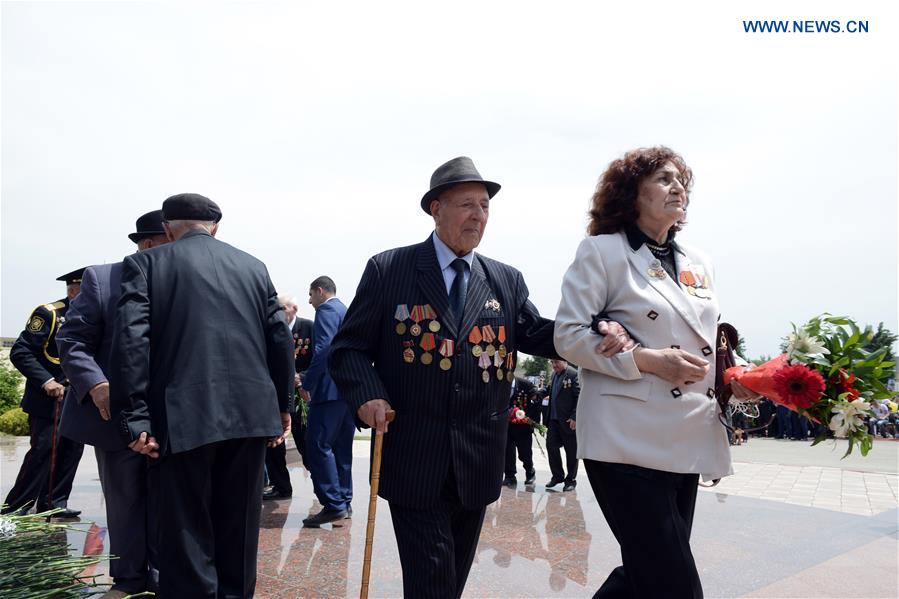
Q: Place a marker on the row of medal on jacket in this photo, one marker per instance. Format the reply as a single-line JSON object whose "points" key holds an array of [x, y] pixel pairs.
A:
{"points": [[487, 356]]}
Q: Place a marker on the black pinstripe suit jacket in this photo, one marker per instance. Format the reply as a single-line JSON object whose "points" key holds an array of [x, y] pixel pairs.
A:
{"points": [[444, 417]]}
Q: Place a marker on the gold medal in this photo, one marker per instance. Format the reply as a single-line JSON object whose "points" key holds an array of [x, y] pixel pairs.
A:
{"points": [[485, 376], [415, 329], [426, 358], [490, 350], [499, 374], [401, 328], [502, 352], [477, 351], [510, 375], [434, 326], [408, 355], [445, 364]]}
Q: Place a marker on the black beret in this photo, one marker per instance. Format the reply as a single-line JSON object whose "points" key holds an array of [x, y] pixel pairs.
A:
{"points": [[191, 206]]}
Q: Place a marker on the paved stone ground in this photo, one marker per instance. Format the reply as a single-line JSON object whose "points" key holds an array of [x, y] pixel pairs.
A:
{"points": [[794, 521]]}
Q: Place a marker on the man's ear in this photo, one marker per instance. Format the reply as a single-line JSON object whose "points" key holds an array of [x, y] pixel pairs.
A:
{"points": [[214, 229]]}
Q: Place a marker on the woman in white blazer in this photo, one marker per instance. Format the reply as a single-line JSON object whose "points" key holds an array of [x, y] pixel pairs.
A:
{"points": [[647, 418]]}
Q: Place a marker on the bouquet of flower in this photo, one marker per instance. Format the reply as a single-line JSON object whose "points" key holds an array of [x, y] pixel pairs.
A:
{"points": [[826, 375], [37, 561], [302, 408], [518, 416]]}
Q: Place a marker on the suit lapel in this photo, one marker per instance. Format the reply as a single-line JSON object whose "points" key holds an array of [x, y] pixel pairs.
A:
{"points": [[430, 281], [641, 261], [478, 290]]}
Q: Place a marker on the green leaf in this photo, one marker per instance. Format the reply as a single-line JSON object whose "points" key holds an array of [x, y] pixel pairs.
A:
{"points": [[838, 320], [848, 451]]}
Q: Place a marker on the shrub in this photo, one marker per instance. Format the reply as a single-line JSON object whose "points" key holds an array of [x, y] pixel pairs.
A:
{"points": [[10, 386], [14, 422]]}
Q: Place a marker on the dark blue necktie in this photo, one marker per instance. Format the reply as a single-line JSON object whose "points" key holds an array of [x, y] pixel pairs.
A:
{"points": [[458, 290]]}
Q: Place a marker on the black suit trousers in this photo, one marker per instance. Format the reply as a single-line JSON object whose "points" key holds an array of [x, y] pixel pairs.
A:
{"points": [[650, 513], [519, 437], [210, 504], [437, 544], [129, 494], [559, 435], [276, 457], [33, 482]]}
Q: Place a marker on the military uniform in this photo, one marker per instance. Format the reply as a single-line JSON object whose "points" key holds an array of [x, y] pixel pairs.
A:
{"points": [[48, 469]]}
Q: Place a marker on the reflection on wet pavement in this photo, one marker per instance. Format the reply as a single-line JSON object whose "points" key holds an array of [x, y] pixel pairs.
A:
{"points": [[534, 542]]}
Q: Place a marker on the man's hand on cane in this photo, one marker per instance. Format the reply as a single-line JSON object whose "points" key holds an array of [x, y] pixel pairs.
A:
{"points": [[374, 414]]}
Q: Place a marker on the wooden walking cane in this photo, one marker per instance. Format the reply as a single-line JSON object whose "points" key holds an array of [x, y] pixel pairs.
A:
{"points": [[50, 481], [372, 508]]}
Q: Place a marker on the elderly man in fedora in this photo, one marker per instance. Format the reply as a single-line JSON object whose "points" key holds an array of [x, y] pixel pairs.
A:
{"points": [[433, 333]]}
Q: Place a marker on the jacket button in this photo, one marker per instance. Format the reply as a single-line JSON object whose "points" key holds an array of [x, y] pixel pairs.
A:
{"points": [[457, 387], [676, 392]]}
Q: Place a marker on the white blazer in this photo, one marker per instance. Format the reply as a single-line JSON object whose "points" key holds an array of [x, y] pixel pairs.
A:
{"points": [[623, 415]]}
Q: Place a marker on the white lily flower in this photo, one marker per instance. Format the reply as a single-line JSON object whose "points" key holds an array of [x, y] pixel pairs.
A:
{"points": [[849, 417], [801, 344], [519, 414]]}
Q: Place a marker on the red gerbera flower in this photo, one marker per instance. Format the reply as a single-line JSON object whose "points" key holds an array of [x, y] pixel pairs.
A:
{"points": [[798, 386]]}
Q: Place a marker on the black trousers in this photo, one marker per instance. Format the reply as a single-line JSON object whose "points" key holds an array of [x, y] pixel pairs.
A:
{"points": [[519, 437], [650, 513], [276, 457], [559, 435], [130, 492], [33, 482], [437, 544], [209, 501]]}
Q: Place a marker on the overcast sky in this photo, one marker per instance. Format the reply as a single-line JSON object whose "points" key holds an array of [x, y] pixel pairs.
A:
{"points": [[316, 126]]}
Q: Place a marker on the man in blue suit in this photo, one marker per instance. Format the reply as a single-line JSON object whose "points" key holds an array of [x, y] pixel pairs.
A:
{"points": [[84, 347], [330, 430]]}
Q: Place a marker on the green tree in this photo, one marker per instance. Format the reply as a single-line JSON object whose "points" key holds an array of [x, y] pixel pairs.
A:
{"points": [[883, 337], [535, 366], [740, 350]]}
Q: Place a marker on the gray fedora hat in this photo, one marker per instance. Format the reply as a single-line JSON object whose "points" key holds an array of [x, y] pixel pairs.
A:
{"points": [[458, 170]]}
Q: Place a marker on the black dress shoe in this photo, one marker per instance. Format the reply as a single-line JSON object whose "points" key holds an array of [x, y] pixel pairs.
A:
{"points": [[323, 517], [569, 486], [66, 513], [553, 482], [510, 481], [531, 477], [275, 494]]}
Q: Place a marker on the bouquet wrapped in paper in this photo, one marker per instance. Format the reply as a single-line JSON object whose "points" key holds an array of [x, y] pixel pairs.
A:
{"points": [[517, 415], [826, 375]]}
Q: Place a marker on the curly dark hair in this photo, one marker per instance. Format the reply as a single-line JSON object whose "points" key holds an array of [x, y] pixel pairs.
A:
{"points": [[614, 203]]}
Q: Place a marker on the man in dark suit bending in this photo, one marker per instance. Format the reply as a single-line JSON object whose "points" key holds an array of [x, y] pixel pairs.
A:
{"points": [[203, 389], [433, 333]]}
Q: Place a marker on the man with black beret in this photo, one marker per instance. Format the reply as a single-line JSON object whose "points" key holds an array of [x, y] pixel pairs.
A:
{"points": [[433, 333], [84, 345], [48, 470], [204, 391]]}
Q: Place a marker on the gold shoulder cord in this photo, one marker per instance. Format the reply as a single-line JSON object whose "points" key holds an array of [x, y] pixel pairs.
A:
{"points": [[52, 310]]}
